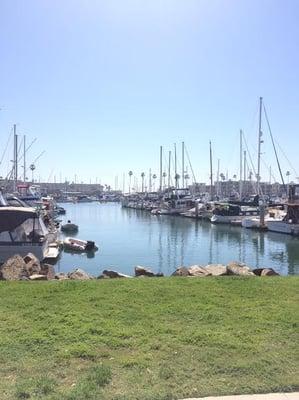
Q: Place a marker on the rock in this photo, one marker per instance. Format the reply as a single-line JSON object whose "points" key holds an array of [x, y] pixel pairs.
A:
{"points": [[14, 269], [79, 274], [48, 270], [38, 277], [269, 272], [61, 276], [198, 270], [181, 271], [257, 271], [32, 264], [238, 268], [216, 269], [112, 274], [142, 271]]}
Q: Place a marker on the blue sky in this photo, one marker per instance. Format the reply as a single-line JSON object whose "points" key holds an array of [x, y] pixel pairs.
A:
{"points": [[102, 84]]}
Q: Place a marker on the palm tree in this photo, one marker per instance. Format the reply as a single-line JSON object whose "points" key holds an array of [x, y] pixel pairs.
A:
{"points": [[142, 177], [130, 178]]}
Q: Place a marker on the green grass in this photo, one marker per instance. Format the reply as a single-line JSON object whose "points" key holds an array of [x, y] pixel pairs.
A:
{"points": [[151, 339]]}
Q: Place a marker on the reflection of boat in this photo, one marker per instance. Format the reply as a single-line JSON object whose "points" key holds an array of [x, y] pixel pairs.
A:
{"points": [[78, 245], [69, 227], [22, 231]]}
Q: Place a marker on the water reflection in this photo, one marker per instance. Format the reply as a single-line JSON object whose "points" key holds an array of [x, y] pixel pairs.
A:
{"points": [[128, 237]]}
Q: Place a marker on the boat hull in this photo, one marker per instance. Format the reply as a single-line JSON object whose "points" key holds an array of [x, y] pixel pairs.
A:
{"points": [[22, 249]]}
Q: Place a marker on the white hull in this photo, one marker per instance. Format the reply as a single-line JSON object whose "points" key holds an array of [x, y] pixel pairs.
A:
{"points": [[225, 219], [250, 223], [22, 249], [283, 227]]}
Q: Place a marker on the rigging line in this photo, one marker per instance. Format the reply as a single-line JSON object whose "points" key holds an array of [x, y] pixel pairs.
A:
{"points": [[5, 149], [280, 148], [278, 163], [193, 175]]}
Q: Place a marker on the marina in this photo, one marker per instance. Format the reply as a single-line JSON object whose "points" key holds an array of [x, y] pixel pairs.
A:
{"points": [[129, 237]]}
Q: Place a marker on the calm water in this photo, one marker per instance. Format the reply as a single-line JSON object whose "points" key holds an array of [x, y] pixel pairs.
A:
{"points": [[128, 237]]}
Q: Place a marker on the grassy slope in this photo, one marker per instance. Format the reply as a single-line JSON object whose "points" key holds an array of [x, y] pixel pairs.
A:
{"points": [[148, 338]]}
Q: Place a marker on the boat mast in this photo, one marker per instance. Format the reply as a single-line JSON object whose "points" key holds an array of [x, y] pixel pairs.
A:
{"points": [[211, 172], [218, 169], [183, 165], [175, 168], [241, 165], [161, 167], [258, 177], [245, 166], [150, 180], [15, 157], [24, 164], [169, 166]]}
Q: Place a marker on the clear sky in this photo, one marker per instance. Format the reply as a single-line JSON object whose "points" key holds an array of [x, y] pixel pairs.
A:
{"points": [[102, 84]]}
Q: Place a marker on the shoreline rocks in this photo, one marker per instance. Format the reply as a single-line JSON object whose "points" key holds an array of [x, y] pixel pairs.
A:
{"points": [[29, 268]]}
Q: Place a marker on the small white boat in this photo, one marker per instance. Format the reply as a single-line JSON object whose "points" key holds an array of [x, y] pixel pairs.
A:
{"points": [[79, 245], [52, 252]]}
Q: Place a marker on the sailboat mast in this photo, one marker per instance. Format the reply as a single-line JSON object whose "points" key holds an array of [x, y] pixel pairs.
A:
{"points": [[169, 167], [211, 172], [161, 167], [259, 147], [15, 157], [183, 164], [218, 170], [175, 168], [24, 164], [245, 166], [241, 164]]}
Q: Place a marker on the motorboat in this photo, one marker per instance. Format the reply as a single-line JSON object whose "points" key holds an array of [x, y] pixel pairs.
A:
{"points": [[78, 245], [227, 213], [52, 253], [273, 215], [290, 223], [22, 231]]}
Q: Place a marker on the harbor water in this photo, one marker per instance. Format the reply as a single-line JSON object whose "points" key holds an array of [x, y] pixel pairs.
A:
{"points": [[128, 237]]}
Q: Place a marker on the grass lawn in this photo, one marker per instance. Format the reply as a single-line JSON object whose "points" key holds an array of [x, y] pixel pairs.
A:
{"points": [[151, 338]]}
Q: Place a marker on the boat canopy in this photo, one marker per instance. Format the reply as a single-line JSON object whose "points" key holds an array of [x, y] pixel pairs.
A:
{"points": [[12, 217]]}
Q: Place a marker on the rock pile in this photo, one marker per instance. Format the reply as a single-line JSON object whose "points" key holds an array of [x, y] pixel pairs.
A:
{"points": [[30, 268]]}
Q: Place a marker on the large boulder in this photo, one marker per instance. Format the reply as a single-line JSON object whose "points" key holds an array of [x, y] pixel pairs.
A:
{"points": [[112, 274], [181, 271], [269, 272], [14, 269], [198, 270], [79, 275], [238, 268], [216, 269], [32, 264], [142, 271], [264, 272], [48, 270]]}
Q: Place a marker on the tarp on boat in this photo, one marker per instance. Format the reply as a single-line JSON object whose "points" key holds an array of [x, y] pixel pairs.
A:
{"points": [[12, 217]]}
